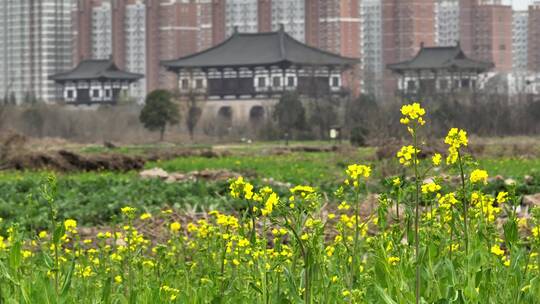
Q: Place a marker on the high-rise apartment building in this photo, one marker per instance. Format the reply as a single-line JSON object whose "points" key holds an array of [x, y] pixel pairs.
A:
{"points": [[35, 42], [371, 42], [172, 32], [519, 40], [135, 46], [337, 27], [252, 16], [446, 22], [101, 30], [292, 15], [533, 62], [204, 24], [406, 26], [242, 15], [486, 31]]}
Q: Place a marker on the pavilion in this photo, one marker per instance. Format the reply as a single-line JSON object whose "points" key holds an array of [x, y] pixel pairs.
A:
{"points": [[439, 70], [94, 82], [260, 65]]}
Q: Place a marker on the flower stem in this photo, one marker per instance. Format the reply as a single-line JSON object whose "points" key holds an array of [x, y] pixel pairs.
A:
{"points": [[417, 217], [465, 203]]}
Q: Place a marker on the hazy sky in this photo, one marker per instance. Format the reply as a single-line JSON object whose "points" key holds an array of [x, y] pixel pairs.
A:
{"points": [[520, 4]]}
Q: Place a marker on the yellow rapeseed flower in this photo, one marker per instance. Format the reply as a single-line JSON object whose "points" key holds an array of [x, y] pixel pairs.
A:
{"points": [[270, 203], [456, 139], [436, 159], [175, 227], [70, 225], [145, 216], [396, 182], [479, 176], [43, 234], [406, 155], [535, 231], [502, 197], [118, 279], [393, 260], [430, 187], [128, 210], [412, 113], [496, 250], [356, 171]]}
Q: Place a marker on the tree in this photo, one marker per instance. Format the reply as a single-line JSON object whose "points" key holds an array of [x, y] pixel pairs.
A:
{"points": [[323, 114], [193, 114], [12, 99], [290, 113], [159, 111], [29, 98]]}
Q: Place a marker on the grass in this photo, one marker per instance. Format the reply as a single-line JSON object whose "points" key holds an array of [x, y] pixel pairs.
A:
{"points": [[298, 168], [515, 168]]}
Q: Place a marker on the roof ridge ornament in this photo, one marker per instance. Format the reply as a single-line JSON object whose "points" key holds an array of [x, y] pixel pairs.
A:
{"points": [[281, 34]]}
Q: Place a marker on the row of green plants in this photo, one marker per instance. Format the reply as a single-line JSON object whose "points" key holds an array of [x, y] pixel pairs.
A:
{"points": [[96, 199], [428, 241]]}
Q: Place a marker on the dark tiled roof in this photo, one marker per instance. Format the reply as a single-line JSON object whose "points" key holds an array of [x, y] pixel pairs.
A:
{"points": [[451, 57], [94, 69], [253, 49]]}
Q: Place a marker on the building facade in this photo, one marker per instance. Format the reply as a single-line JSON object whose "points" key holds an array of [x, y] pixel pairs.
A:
{"points": [[533, 53], [101, 30], [292, 14], [520, 24], [371, 44], [486, 31], [35, 40], [242, 15], [446, 22]]}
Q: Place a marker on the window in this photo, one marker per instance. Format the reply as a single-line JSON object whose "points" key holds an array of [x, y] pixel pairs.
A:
{"points": [[261, 82], [443, 84], [70, 94], [185, 84], [198, 84], [290, 81], [276, 81], [335, 81], [95, 93], [411, 85], [108, 93]]}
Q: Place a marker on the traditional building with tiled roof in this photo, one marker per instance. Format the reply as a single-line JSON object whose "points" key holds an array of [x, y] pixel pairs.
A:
{"points": [[439, 69], [94, 82], [253, 65]]}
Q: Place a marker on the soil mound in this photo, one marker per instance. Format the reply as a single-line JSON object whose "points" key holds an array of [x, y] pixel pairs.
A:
{"points": [[63, 160]]}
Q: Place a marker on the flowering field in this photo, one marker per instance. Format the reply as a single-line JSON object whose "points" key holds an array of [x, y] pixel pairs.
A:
{"points": [[430, 239]]}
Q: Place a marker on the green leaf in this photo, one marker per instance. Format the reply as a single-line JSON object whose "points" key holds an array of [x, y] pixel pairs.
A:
{"points": [[257, 289], [59, 232], [510, 231], [67, 280], [106, 294], [15, 255], [384, 295]]}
